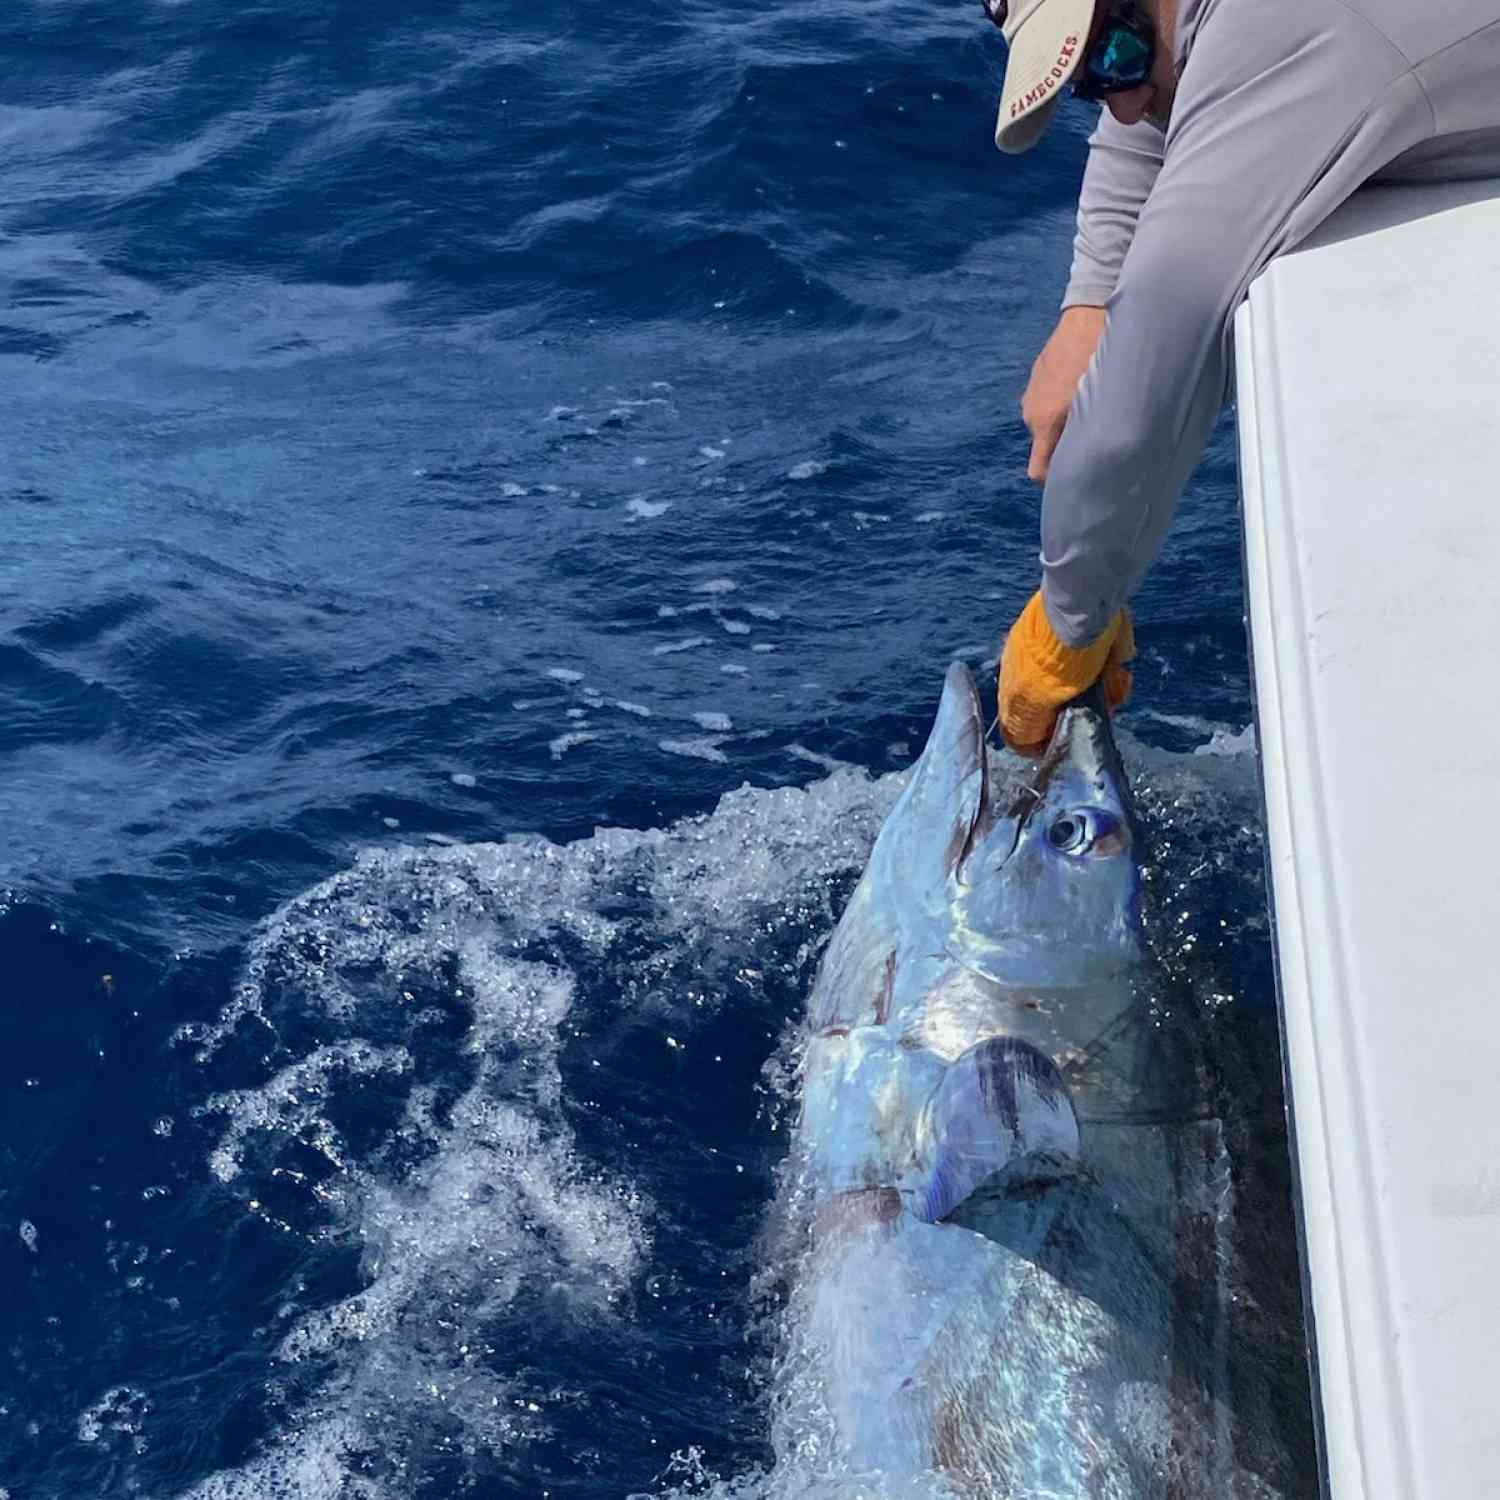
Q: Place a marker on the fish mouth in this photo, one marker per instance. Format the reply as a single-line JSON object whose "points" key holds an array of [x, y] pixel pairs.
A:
{"points": [[1084, 738], [1082, 751]]}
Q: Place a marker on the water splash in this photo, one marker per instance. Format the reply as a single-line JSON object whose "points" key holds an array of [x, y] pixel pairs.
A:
{"points": [[411, 1107]]}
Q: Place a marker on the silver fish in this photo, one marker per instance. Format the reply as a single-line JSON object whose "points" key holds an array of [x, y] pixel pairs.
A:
{"points": [[986, 1300]]}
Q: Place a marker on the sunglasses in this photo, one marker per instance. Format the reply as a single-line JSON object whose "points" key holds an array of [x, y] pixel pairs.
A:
{"points": [[1120, 55]]}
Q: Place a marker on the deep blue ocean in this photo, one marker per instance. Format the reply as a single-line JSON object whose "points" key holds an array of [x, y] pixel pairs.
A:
{"points": [[489, 493]]}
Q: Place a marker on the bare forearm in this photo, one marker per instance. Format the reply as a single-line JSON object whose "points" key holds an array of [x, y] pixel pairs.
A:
{"points": [[1055, 378]]}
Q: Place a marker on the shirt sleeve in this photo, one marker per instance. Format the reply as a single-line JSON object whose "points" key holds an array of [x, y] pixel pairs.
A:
{"points": [[1279, 117], [1122, 166]]}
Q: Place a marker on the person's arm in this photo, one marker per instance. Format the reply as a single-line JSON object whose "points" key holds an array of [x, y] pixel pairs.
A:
{"points": [[1122, 165], [1279, 118]]}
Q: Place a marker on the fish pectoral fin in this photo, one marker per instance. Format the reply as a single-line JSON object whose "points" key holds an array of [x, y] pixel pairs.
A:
{"points": [[1001, 1107]]}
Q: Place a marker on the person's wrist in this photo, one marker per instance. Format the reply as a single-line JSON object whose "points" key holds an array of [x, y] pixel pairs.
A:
{"points": [[1070, 667], [1082, 315]]}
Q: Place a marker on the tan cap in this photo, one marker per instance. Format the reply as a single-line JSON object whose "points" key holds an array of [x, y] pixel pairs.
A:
{"points": [[1046, 39]]}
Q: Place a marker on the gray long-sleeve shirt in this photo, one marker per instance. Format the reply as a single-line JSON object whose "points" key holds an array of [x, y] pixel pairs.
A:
{"points": [[1283, 109]]}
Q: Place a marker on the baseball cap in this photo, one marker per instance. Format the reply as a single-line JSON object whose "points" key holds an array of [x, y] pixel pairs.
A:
{"points": [[1046, 40]]}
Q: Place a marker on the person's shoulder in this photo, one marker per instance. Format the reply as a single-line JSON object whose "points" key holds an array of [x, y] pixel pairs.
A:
{"points": [[1324, 35], [1413, 32]]}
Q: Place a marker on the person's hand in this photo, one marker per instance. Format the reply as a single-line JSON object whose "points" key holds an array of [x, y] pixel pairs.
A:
{"points": [[1039, 674], [1054, 382]]}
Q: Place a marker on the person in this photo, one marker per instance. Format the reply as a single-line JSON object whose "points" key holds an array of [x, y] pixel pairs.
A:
{"points": [[1230, 130]]}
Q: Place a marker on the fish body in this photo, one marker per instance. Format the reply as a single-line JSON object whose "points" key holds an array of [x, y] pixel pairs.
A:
{"points": [[984, 1299]]}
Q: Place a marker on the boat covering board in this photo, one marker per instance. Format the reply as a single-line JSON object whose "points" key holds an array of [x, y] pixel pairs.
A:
{"points": [[1368, 372]]}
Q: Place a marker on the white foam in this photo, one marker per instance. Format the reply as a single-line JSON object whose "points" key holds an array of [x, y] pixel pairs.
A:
{"points": [[716, 586], [763, 611], [119, 1413], [763, 647], [319, 1462], [565, 742], [671, 648], [695, 749], [735, 627], [511, 490], [564, 674], [1220, 739], [638, 709], [27, 1230], [813, 758], [292, 1102], [809, 469], [1229, 742], [454, 1219], [734, 669], [713, 721], [463, 778], [647, 510]]}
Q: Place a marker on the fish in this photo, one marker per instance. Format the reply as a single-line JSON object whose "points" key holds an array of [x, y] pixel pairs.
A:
{"points": [[986, 1301]]}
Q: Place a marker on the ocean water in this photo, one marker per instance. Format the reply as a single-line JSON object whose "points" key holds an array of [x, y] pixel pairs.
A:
{"points": [[489, 495]]}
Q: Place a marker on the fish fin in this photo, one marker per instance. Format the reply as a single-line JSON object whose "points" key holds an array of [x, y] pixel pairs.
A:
{"points": [[1002, 1107]]}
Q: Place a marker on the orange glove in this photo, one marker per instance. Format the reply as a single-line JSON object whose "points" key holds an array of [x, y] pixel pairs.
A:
{"points": [[1038, 674]]}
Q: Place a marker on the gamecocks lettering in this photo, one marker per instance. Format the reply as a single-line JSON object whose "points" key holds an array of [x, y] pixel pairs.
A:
{"points": [[1059, 72]]}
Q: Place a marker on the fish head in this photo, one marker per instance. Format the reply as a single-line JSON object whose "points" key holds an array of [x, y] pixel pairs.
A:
{"points": [[1047, 893], [1027, 886]]}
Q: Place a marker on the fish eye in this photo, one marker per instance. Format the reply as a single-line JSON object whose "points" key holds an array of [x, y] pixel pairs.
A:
{"points": [[1069, 834], [1087, 830]]}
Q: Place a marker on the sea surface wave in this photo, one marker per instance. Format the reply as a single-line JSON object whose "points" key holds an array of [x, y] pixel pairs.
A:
{"points": [[490, 494]]}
